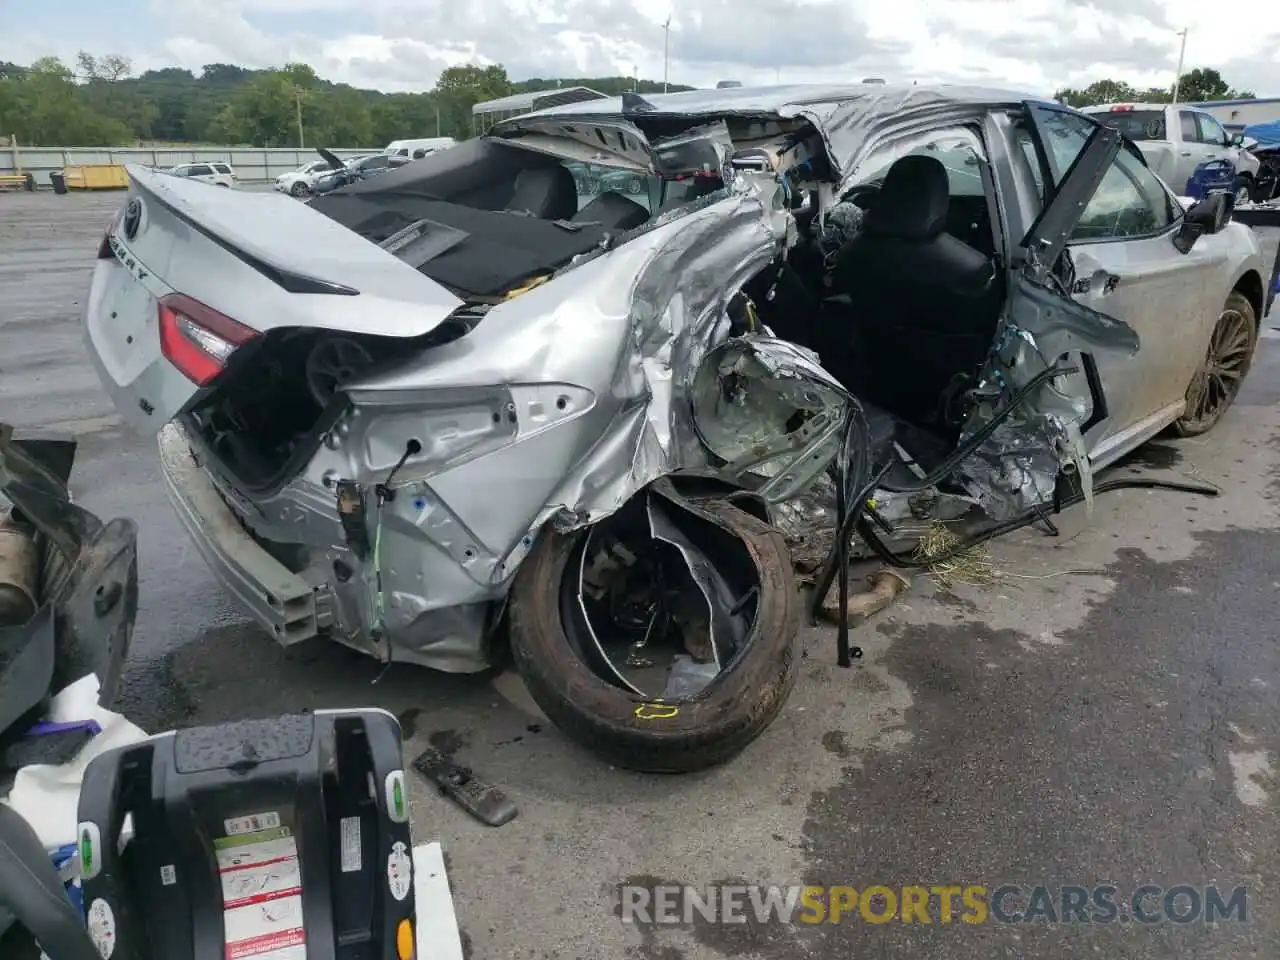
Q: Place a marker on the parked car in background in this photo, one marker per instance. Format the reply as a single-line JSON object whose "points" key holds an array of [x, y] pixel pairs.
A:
{"points": [[417, 149], [1177, 139], [360, 168], [298, 183], [217, 173]]}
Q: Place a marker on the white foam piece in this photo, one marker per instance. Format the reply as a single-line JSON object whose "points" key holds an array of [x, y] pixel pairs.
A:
{"points": [[46, 796], [438, 937]]}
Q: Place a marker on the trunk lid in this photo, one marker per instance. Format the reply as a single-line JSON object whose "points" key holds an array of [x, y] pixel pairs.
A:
{"points": [[189, 274]]}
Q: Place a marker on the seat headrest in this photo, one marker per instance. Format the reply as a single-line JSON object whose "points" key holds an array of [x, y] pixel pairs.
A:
{"points": [[547, 192], [613, 211], [912, 203]]}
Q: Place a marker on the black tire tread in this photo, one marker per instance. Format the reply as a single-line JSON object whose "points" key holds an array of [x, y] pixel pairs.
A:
{"points": [[599, 716]]}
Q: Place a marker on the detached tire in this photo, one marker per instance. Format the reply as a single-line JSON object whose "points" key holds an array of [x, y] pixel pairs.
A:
{"points": [[622, 727]]}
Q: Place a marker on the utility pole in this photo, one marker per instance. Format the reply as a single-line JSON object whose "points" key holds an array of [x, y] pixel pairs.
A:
{"points": [[1181, 54], [666, 53], [437, 120], [297, 102]]}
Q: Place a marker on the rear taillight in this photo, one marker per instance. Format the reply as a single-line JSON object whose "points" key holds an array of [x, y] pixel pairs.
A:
{"points": [[198, 340], [1123, 108]]}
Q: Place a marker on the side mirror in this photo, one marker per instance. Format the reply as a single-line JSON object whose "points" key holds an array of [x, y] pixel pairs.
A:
{"points": [[1235, 139], [1206, 216]]}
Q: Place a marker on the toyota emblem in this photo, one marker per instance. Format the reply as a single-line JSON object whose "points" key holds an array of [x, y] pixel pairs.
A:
{"points": [[132, 218]]}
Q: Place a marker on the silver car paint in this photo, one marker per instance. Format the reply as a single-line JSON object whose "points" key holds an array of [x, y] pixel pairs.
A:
{"points": [[561, 404], [558, 406], [168, 254]]}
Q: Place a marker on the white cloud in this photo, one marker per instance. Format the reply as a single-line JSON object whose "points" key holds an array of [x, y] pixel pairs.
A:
{"points": [[1039, 45]]}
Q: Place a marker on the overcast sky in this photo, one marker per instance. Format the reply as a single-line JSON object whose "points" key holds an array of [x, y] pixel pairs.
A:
{"points": [[1036, 45]]}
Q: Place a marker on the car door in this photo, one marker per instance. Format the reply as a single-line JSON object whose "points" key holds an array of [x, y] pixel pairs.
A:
{"points": [[1120, 260], [1213, 138], [1191, 151], [1042, 371], [1217, 142], [202, 172]]}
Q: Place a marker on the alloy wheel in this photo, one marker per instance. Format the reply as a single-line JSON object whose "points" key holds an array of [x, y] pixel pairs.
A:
{"points": [[1227, 361]]}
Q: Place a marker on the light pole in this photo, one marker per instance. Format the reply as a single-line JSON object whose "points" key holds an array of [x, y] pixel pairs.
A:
{"points": [[666, 53], [1181, 54]]}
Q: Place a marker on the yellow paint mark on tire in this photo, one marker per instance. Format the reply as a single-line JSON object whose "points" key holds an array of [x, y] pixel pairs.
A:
{"points": [[656, 711]]}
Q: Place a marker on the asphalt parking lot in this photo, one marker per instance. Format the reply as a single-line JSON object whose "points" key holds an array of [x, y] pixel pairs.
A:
{"points": [[1107, 713]]}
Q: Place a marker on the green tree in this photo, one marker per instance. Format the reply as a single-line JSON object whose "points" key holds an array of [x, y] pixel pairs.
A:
{"points": [[43, 107], [1205, 83], [101, 102], [262, 112], [461, 88], [1100, 91], [341, 119], [1202, 83]]}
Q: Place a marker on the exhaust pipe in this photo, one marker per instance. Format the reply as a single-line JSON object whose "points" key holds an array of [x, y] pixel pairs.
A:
{"points": [[19, 572]]}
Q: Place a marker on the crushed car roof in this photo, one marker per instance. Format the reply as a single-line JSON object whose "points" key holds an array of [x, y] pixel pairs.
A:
{"points": [[844, 114], [786, 100]]}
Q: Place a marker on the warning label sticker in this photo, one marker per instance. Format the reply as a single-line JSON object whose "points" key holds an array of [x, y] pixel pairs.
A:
{"points": [[261, 896], [239, 826], [350, 844]]}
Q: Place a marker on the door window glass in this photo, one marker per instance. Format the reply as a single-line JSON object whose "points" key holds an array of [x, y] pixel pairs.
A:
{"points": [[1187, 124], [199, 170], [1130, 202], [1211, 130]]}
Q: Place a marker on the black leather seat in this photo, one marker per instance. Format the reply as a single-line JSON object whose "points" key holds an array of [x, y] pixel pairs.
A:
{"points": [[613, 211], [922, 304], [549, 193]]}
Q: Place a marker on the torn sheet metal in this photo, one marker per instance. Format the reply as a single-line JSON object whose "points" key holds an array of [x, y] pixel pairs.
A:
{"points": [[767, 408], [1018, 465], [853, 120], [597, 368], [702, 149]]}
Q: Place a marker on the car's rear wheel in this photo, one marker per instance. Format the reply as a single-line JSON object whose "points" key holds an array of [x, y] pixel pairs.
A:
{"points": [[299, 190], [597, 615], [1226, 363]]}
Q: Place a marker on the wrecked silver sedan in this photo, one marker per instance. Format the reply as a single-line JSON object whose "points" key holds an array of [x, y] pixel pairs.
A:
{"points": [[486, 389]]}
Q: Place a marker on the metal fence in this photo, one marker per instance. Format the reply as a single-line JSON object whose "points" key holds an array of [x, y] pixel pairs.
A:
{"points": [[252, 165]]}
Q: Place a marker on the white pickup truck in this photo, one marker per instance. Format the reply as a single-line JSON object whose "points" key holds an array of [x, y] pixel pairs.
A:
{"points": [[1177, 138]]}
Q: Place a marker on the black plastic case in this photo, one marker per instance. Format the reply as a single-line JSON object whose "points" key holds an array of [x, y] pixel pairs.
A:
{"points": [[334, 780]]}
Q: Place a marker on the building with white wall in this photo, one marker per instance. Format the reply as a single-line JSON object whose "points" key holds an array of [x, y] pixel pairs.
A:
{"points": [[1235, 115]]}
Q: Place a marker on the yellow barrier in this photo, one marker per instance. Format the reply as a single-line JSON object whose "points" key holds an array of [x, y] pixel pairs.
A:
{"points": [[96, 176], [14, 181]]}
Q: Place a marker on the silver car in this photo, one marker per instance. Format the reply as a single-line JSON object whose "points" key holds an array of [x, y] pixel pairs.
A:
{"points": [[374, 408]]}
